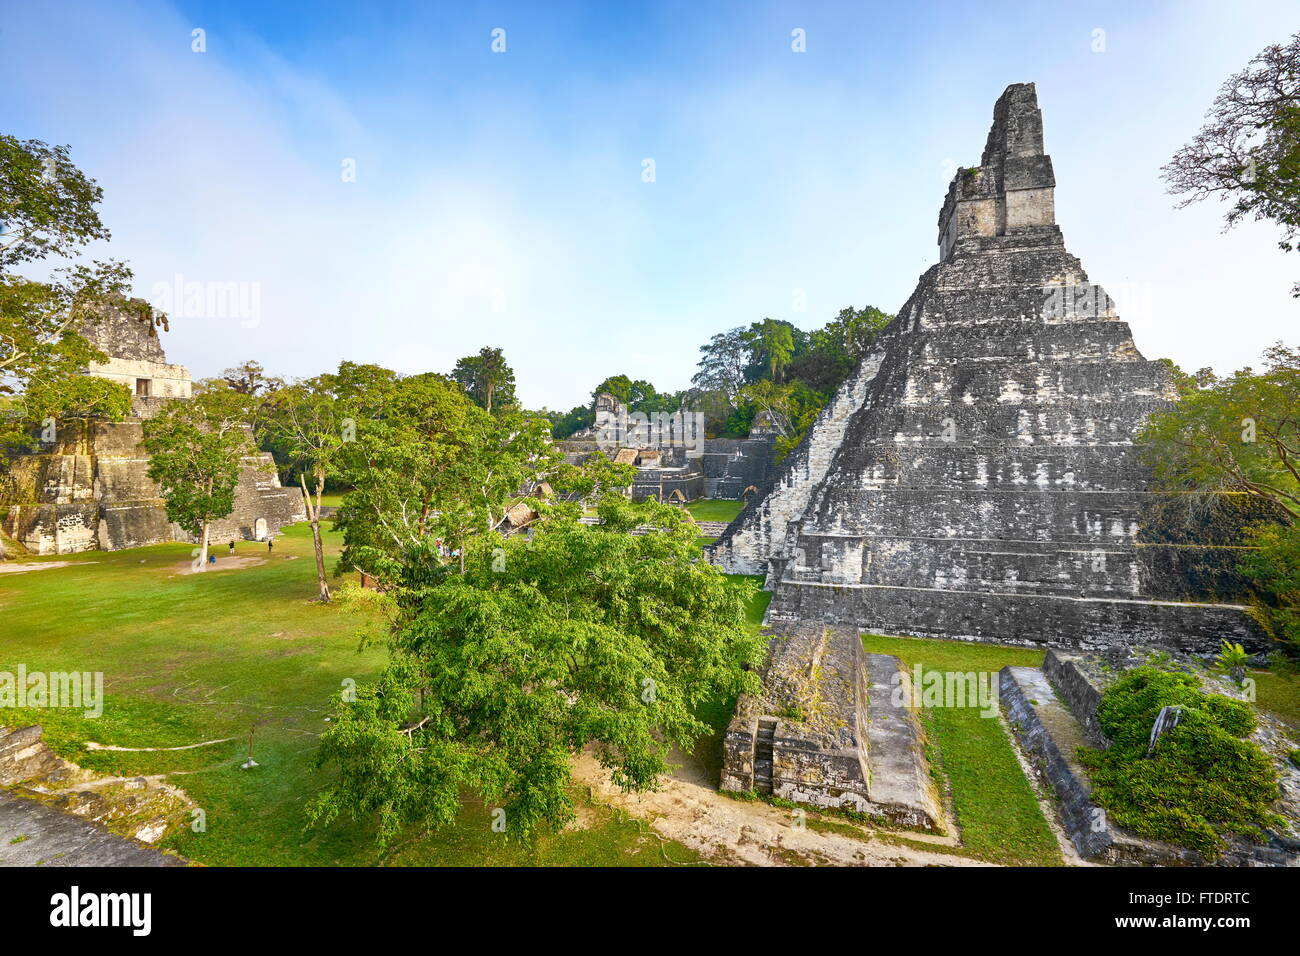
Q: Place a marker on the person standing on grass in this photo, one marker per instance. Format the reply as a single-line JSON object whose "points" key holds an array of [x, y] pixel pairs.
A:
{"points": [[232, 547], [270, 545]]}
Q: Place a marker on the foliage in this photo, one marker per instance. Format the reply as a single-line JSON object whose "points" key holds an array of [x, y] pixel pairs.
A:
{"points": [[47, 205], [487, 380], [502, 673], [428, 463], [1241, 433], [1202, 781], [1274, 567], [250, 378], [1231, 656], [196, 450], [1248, 151]]}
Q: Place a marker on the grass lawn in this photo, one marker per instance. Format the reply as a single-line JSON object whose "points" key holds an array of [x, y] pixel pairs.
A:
{"points": [[189, 658], [1277, 691], [715, 509], [998, 815]]}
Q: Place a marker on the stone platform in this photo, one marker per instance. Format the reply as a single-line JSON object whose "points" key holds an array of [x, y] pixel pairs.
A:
{"points": [[826, 732]]}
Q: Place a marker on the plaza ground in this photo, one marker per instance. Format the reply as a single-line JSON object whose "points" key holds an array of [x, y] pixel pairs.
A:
{"points": [[242, 649]]}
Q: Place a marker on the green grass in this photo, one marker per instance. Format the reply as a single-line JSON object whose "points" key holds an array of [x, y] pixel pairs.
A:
{"points": [[1278, 693], [715, 509], [997, 813], [717, 713], [188, 658]]}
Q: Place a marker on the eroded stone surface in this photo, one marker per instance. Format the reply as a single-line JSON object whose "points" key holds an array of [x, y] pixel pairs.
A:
{"points": [[89, 487], [828, 730], [976, 478]]}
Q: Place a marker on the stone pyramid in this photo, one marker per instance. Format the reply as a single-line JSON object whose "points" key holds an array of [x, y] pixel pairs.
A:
{"points": [[975, 478]]}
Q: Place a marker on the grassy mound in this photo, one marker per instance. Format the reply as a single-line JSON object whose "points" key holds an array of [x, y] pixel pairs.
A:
{"points": [[1202, 781]]}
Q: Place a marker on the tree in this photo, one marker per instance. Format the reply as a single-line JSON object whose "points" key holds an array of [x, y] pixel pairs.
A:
{"points": [[1238, 434], [249, 378], [772, 345], [1242, 434], [197, 447], [487, 379], [309, 423], [501, 674], [47, 205], [428, 463], [723, 362], [1248, 151]]}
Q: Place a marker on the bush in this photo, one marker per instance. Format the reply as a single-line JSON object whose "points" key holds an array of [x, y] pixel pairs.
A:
{"points": [[1201, 783]]}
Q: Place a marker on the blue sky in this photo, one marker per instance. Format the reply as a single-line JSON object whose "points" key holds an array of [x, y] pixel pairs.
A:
{"points": [[499, 197]]}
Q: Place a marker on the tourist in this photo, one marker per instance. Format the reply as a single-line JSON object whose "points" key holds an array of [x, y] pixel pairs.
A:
{"points": [[232, 547], [270, 545]]}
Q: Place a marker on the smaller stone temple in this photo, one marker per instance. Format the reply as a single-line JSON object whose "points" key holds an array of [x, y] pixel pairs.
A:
{"points": [[88, 488], [674, 461]]}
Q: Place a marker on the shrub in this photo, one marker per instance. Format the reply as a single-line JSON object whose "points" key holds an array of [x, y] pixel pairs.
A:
{"points": [[1202, 781]]}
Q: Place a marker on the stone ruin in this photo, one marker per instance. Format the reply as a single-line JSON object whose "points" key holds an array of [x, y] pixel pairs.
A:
{"points": [[975, 478], [827, 731], [88, 489], [674, 460]]}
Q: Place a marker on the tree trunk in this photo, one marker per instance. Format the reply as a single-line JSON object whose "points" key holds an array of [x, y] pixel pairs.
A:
{"points": [[203, 553], [313, 512]]}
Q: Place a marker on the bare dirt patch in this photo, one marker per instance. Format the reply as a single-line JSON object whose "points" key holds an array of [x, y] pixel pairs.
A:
{"points": [[7, 567], [221, 564], [688, 810]]}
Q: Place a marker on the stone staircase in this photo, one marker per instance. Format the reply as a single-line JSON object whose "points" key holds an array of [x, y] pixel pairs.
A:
{"points": [[763, 741]]}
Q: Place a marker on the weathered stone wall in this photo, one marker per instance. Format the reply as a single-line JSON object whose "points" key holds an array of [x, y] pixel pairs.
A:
{"points": [[759, 533], [826, 731], [733, 465]]}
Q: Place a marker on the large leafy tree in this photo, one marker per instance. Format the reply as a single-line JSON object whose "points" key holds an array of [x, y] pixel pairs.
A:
{"points": [[1241, 434], [428, 463], [501, 672], [196, 449], [487, 379], [1238, 434], [723, 362], [47, 205], [1248, 151], [772, 345], [250, 378]]}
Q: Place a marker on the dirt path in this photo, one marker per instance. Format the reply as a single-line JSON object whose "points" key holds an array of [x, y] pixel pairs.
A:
{"points": [[739, 832], [221, 564], [8, 567]]}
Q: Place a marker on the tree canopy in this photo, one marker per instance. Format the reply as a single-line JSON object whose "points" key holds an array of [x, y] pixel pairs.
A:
{"points": [[501, 673], [1248, 151]]}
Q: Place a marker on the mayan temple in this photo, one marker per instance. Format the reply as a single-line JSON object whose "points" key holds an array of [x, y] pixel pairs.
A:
{"points": [[88, 488], [975, 478]]}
